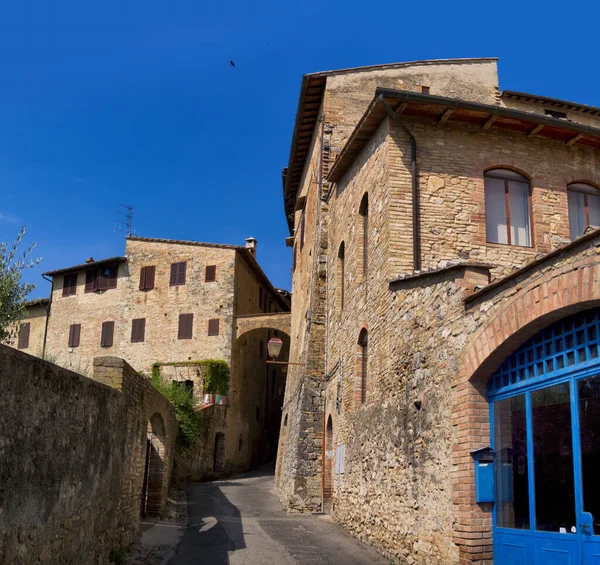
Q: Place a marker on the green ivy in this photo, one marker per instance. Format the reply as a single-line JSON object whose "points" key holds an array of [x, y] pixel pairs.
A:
{"points": [[189, 420], [216, 377]]}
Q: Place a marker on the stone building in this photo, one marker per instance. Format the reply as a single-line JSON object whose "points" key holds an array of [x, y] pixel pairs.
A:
{"points": [[446, 283], [175, 302]]}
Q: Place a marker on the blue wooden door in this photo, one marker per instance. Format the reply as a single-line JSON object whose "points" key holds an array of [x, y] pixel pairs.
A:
{"points": [[545, 407]]}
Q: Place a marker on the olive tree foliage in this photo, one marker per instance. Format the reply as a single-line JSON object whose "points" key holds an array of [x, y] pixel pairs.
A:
{"points": [[13, 292]]}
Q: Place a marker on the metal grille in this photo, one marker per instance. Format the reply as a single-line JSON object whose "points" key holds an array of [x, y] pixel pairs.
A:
{"points": [[566, 345]]}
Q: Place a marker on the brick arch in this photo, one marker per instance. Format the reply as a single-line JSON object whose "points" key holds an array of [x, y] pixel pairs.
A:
{"points": [[280, 321], [546, 295], [510, 167]]}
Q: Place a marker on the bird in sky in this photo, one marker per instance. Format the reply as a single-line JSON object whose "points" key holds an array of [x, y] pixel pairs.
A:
{"points": [[232, 63]]}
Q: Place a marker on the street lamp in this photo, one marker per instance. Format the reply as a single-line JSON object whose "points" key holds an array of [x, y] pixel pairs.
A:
{"points": [[274, 348]]}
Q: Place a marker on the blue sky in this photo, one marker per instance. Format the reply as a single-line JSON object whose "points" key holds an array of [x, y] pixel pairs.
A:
{"points": [[136, 102]]}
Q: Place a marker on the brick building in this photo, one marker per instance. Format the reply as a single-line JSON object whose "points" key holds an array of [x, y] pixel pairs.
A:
{"points": [[446, 283], [174, 302]]}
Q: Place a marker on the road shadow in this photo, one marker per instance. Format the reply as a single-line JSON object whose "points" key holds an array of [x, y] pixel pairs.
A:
{"points": [[215, 528]]}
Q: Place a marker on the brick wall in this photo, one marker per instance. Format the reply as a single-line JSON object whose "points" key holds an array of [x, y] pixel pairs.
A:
{"points": [[73, 453]]}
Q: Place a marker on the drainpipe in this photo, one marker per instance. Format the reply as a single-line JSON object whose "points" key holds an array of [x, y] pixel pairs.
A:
{"points": [[51, 281], [415, 185]]}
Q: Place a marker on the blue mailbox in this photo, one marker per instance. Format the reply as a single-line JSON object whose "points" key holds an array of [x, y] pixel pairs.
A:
{"points": [[484, 474]]}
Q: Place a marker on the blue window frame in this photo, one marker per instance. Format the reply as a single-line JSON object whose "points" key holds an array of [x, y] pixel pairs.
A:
{"points": [[545, 428]]}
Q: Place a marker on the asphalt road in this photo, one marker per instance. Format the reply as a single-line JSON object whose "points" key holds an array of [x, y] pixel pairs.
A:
{"points": [[240, 521]]}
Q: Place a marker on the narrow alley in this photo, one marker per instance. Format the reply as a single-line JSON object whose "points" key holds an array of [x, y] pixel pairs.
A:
{"points": [[240, 521]]}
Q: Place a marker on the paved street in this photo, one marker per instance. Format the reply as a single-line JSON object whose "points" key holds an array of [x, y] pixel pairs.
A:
{"points": [[240, 521]]}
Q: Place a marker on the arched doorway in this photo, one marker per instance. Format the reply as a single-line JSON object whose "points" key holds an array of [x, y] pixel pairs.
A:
{"points": [[152, 487], [545, 428], [328, 465], [219, 455]]}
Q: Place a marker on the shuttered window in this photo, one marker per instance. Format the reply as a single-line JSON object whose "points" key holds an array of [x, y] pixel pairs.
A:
{"points": [[69, 284], [74, 335], [147, 278], [107, 277], [106, 338], [24, 335], [213, 326], [211, 273], [91, 280], [177, 274], [186, 322], [138, 330], [101, 278]]}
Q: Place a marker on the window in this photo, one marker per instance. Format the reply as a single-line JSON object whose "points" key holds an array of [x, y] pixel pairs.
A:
{"points": [[211, 273], [213, 327], [364, 213], [178, 274], [302, 229], [70, 284], [584, 208], [138, 330], [363, 341], [147, 278], [507, 208], [74, 335], [341, 267], [106, 337], [24, 335], [187, 385], [294, 260], [186, 321], [101, 278]]}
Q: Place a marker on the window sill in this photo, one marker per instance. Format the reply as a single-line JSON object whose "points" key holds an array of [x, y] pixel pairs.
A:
{"points": [[512, 245]]}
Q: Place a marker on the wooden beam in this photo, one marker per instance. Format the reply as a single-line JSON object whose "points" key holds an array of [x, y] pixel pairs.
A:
{"points": [[535, 130], [444, 117], [574, 140], [488, 123], [401, 107]]}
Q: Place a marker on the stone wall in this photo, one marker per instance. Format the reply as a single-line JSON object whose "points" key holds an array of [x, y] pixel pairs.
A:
{"points": [[72, 459], [160, 307]]}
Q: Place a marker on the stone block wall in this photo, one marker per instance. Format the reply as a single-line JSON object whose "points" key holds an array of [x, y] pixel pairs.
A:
{"points": [[72, 459]]}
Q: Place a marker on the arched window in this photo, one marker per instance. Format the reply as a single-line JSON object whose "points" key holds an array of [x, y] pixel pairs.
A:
{"points": [[364, 212], [584, 208], [363, 341], [341, 274], [507, 209]]}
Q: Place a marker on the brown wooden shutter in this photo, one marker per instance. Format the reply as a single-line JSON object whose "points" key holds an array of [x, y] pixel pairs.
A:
{"points": [[174, 271], [69, 284], [150, 277], [91, 280], [186, 323], [108, 330], [213, 326], [24, 335], [138, 330], [74, 335], [112, 277], [211, 273], [103, 276], [178, 273], [147, 278], [182, 269], [143, 272]]}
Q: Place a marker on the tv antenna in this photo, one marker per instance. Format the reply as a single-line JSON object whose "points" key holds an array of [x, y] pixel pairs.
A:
{"points": [[126, 225]]}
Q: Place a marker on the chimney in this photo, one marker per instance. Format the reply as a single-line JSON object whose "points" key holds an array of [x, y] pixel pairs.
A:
{"points": [[251, 244], [89, 260]]}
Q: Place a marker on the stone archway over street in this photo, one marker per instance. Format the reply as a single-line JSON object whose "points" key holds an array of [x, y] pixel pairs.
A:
{"points": [[274, 321]]}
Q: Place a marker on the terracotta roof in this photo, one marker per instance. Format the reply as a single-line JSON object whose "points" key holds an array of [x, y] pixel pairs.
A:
{"points": [[37, 302], [309, 104], [183, 242], [441, 108], [551, 101], [86, 266]]}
